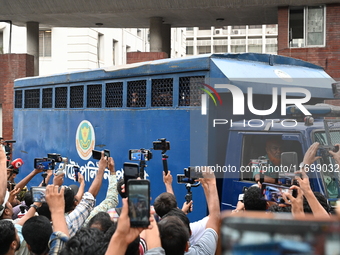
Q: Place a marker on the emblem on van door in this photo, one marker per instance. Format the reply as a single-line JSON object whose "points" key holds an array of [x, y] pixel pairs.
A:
{"points": [[85, 139]]}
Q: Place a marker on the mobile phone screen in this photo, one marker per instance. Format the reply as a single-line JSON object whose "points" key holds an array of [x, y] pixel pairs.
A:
{"points": [[43, 164], [139, 202], [272, 192], [137, 155], [38, 194]]}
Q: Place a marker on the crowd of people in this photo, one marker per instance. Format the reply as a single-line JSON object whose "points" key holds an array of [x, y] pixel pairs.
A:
{"points": [[70, 223]]}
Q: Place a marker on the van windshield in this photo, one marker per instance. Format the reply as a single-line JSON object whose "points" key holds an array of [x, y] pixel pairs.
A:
{"points": [[329, 169]]}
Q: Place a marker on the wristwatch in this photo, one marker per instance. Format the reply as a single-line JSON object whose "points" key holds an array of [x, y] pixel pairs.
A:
{"points": [[34, 206]]}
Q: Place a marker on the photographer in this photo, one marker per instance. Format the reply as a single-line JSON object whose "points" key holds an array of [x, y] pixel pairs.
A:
{"points": [[207, 244], [77, 217], [167, 201], [111, 200], [124, 235]]}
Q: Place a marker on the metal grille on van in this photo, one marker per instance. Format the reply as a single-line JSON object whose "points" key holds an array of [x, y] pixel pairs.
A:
{"points": [[77, 97], [94, 96], [18, 99], [162, 90], [136, 93], [47, 98], [189, 90], [61, 97], [114, 94], [32, 98]]}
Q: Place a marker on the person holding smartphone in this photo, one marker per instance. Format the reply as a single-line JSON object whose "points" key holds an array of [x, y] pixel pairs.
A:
{"points": [[111, 200]]}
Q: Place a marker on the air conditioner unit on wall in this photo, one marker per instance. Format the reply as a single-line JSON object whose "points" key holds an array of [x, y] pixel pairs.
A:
{"points": [[235, 32], [218, 31]]}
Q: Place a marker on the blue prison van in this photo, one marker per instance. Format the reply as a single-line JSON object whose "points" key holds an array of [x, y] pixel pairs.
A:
{"points": [[215, 110]]}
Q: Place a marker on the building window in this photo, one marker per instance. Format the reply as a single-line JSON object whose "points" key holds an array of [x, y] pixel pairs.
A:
{"points": [[271, 45], [255, 45], [238, 45], [220, 48], [100, 47], [204, 49], [189, 50], [255, 26], [307, 26], [238, 27], [45, 43], [114, 52]]}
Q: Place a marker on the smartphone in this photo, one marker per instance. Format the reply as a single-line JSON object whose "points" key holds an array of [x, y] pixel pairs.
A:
{"points": [[44, 164], [181, 179], [76, 172], [131, 171], [38, 194], [96, 154], [273, 192], [139, 202], [57, 157], [107, 153], [138, 155], [161, 145]]}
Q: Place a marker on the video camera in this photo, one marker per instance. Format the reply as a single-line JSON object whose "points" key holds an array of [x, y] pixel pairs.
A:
{"points": [[163, 145], [189, 178], [191, 174]]}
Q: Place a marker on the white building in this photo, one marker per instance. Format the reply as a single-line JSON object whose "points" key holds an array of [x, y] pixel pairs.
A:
{"points": [[72, 49], [232, 39]]}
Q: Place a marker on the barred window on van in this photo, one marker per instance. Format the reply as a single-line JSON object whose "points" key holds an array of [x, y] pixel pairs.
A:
{"points": [[190, 90], [94, 96], [77, 97], [47, 98], [60, 97], [136, 93], [162, 92], [18, 99], [114, 94], [32, 98]]}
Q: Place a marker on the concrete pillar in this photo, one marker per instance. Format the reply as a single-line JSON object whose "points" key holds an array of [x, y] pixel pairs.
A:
{"points": [[156, 34], [166, 39], [33, 43]]}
